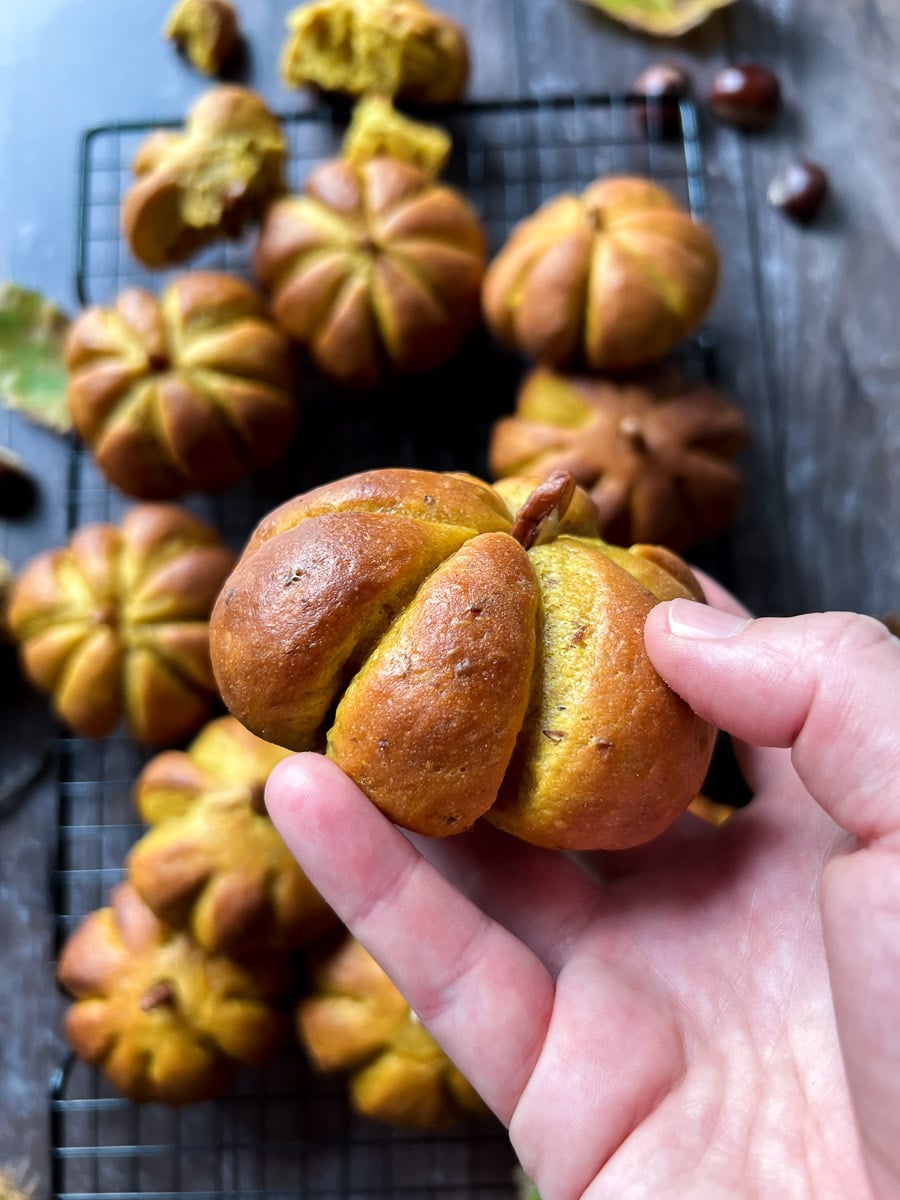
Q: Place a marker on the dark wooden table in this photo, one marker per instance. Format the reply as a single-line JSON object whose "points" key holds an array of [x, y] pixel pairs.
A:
{"points": [[806, 325]]}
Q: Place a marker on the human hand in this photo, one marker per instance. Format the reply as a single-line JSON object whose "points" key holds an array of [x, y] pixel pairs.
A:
{"points": [[669, 1021]]}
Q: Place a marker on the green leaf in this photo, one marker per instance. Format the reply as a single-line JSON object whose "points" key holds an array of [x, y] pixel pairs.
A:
{"points": [[32, 367], [666, 17], [524, 1187]]}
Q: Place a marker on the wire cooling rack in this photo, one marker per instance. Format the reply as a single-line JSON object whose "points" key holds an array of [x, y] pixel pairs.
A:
{"points": [[285, 1133], [508, 157]]}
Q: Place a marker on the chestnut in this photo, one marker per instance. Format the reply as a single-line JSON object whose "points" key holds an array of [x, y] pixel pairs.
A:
{"points": [[746, 96], [798, 189], [664, 84]]}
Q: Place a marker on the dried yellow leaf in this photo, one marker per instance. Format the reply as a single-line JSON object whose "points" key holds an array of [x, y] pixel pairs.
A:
{"points": [[16, 1183]]}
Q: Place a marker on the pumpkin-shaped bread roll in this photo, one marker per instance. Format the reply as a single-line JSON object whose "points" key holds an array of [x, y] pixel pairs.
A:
{"points": [[656, 454], [376, 269], [465, 651], [189, 392], [116, 623], [355, 1020], [208, 181], [164, 1020], [610, 279], [213, 861]]}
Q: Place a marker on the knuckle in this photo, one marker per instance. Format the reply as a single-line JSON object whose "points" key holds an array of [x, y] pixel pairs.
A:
{"points": [[849, 634]]}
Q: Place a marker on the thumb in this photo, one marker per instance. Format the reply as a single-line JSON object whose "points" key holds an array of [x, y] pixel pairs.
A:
{"points": [[826, 685]]}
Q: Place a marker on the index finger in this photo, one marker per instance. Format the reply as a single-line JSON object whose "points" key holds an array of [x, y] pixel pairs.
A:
{"points": [[481, 992]]}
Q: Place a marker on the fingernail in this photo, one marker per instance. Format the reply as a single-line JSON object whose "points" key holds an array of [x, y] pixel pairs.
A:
{"points": [[688, 619]]}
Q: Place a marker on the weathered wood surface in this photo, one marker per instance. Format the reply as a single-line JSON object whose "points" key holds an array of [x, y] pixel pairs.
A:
{"points": [[807, 325]]}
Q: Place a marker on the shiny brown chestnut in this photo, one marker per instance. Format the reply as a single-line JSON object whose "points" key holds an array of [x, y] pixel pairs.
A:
{"points": [[798, 189], [747, 96], [664, 84]]}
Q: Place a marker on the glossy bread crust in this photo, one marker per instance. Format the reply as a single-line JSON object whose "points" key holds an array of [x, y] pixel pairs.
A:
{"points": [[393, 621]]}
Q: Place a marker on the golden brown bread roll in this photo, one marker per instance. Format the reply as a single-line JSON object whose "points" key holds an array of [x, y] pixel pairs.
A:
{"points": [[164, 1020], [185, 393], [611, 279], [116, 623], [655, 453], [206, 182], [213, 861], [357, 1021], [376, 270], [206, 32], [396, 619], [383, 47]]}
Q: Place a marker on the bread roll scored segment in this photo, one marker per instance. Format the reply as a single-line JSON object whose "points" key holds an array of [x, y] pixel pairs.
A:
{"points": [[428, 725], [321, 595], [580, 777], [459, 674]]}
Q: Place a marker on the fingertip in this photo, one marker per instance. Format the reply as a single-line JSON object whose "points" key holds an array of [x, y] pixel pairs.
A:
{"points": [[300, 775], [657, 629], [657, 623], [308, 798], [288, 783], [675, 631], [701, 622]]}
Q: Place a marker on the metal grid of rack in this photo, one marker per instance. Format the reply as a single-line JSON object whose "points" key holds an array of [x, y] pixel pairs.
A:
{"points": [[283, 1133]]}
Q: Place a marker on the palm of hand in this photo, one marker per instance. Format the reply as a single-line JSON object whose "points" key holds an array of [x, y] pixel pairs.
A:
{"points": [[661, 1023], [691, 1048]]}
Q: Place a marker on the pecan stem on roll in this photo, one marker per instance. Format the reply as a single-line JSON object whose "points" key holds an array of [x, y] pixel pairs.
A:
{"points": [[543, 509], [258, 799], [160, 993]]}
